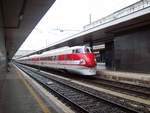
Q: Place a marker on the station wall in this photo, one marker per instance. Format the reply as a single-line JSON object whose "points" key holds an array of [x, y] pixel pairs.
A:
{"points": [[132, 51], [2, 46]]}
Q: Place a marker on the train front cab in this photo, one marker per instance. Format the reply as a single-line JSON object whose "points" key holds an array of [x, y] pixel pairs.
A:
{"points": [[84, 61]]}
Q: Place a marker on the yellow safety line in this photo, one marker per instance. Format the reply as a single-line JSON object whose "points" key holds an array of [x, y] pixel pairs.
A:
{"points": [[36, 97]]}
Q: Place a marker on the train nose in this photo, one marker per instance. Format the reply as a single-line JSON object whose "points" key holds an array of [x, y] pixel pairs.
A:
{"points": [[90, 60]]}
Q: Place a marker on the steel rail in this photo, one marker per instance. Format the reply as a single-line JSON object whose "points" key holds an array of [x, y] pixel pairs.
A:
{"points": [[84, 110]]}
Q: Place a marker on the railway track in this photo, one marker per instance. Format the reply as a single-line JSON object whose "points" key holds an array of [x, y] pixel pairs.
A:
{"points": [[134, 90], [81, 98], [130, 89]]}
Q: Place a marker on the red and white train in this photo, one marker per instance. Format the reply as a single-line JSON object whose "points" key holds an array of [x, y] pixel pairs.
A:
{"points": [[78, 59]]}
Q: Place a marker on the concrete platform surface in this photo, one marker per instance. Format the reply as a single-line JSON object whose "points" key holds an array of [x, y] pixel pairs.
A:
{"points": [[126, 77], [15, 96]]}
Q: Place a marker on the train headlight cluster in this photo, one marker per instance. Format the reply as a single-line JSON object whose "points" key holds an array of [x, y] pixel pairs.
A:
{"points": [[82, 61]]}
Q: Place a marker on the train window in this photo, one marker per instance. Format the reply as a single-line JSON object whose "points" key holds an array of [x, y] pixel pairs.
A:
{"points": [[42, 58], [52, 58], [87, 50], [59, 57], [62, 57], [65, 57], [45, 58], [55, 58], [77, 51], [68, 56], [73, 51], [80, 50]]}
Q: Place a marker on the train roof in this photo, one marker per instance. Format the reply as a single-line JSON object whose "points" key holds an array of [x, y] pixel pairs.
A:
{"points": [[61, 50], [58, 51]]}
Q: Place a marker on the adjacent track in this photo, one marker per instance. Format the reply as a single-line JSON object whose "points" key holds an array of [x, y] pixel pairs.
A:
{"points": [[130, 89], [139, 91]]}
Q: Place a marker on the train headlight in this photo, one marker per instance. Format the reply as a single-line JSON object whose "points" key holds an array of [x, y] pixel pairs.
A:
{"points": [[82, 61]]}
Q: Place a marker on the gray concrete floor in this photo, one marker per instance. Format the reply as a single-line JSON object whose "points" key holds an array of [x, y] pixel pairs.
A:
{"points": [[15, 97]]}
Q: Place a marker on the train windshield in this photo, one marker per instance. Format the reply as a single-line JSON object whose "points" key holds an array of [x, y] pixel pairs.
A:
{"points": [[82, 50], [87, 50]]}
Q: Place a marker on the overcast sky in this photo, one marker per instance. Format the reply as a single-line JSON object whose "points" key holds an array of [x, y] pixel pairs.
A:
{"points": [[70, 15]]}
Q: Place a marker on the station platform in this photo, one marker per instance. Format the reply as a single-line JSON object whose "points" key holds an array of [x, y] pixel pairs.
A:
{"points": [[17, 95], [126, 77]]}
